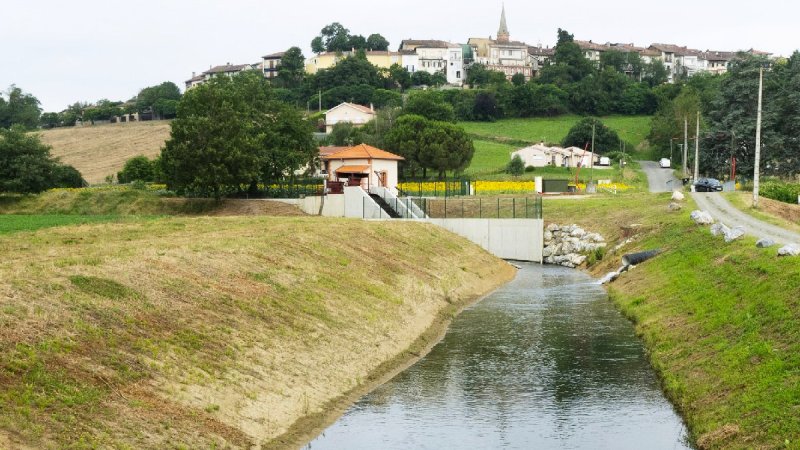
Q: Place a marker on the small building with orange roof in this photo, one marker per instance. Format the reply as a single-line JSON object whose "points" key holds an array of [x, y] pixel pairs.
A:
{"points": [[363, 165]]}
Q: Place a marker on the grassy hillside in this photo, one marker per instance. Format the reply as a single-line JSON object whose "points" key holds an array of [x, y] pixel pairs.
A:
{"points": [[101, 150], [213, 332], [494, 141], [120, 200], [632, 129], [721, 321]]}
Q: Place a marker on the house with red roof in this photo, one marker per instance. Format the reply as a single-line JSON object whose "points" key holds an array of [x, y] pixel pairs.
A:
{"points": [[362, 165]]}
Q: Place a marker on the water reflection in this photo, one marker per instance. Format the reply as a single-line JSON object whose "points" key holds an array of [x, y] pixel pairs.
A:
{"points": [[544, 362]]}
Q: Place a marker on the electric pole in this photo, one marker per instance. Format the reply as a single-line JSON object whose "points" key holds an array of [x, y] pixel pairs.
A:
{"points": [[685, 145], [591, 161], [757, 165], [697, 149]]}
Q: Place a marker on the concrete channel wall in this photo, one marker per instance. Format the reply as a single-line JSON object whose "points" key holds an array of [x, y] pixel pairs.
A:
{"points": [[516, 239]]}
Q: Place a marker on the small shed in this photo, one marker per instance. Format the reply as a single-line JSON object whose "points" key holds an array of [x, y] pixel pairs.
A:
{"points": [[363, 165]]}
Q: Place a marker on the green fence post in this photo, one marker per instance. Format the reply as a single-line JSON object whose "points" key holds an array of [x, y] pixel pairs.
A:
{"points": [[514, 208]]}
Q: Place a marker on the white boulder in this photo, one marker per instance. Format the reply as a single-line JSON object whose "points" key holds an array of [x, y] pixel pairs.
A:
{"points": [[789, 250], [678, 196], [702, 217]]}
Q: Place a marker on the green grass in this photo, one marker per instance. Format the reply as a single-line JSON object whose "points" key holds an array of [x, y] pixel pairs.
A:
{"points": [[489, 157], [632, 129], [721, 322], [10, 223]]}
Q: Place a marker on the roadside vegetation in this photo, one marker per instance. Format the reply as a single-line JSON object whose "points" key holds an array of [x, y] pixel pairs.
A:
{"points": [[719, 320]]}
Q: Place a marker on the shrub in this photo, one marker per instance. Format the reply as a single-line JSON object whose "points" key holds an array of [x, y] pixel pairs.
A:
{"points": [[138, 168], [530, 169], [783, 192], [516, 166]]}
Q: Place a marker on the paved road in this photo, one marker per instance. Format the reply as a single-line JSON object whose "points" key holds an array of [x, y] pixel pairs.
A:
{"points": [[726, 213], [658, 178]]}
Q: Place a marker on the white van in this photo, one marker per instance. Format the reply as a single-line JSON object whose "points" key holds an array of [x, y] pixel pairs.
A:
{"points": [[664, 163]]}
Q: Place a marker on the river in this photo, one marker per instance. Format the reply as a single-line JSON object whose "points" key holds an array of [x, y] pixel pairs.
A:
{"points": [[544, 362]]}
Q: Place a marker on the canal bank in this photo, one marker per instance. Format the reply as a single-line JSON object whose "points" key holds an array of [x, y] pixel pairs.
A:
{"points": [[545, 361], [720, 322]]}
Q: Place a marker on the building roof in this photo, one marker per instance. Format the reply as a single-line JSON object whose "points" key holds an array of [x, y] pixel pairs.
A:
{"points": [[200, 77], [364, 151], [364, 109], [330, 149], [227, 68], [274, 55], [589, 45], [541, 51], [424, 43], [711, 55], [677, 50]]}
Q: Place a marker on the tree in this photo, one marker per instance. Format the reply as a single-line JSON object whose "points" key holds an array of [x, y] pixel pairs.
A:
{"points": [[429, 144], [485, 108], [382, 98], [518, 79], [138, 168], [345, 134], [332, 38], [19, 108], [568, 64], [26, 165], [377, 42], [605, 139], [50, 120], [655, 73], [429, 104], [399, 77], [148, 97], [516, 166], [232, 132], [291, 70], [357, 42]]}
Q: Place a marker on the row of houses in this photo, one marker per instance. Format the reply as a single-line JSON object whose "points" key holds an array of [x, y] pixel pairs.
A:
{"points": [[540, 155], [499, 54]]}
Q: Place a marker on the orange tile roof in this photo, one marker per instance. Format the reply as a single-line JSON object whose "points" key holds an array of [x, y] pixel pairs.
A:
{"points": [[363, 151], [330, 150], [352, 169]]}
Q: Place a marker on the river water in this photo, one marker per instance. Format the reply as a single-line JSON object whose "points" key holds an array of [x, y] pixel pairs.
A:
{"points": [[545, 362]]}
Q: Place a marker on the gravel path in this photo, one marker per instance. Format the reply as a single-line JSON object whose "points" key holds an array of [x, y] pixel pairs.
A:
{"points": [[660, 180], [726, 213]]}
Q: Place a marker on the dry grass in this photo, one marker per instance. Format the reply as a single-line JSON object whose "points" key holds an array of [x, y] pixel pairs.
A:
{"points": [[782, 214], [101, 150], [211, 332]]}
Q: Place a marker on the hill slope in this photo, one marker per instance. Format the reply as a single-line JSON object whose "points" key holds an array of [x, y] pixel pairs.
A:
{"points": [[212, 332], [101, 150]]}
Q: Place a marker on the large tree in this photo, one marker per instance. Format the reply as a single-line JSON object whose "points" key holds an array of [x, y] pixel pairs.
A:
{"points": [[231, 134], [19, 108], [27, 167], [377, 42], [291, 70], [580, 135], [429, 144], [429, 104], [568, 65], [149, 97]]}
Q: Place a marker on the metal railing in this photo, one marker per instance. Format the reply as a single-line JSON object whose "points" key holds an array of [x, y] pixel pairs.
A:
{"points": [[457, 208]]}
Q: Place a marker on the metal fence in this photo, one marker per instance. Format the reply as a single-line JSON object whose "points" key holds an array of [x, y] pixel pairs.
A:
{"points": [[456, 208]]}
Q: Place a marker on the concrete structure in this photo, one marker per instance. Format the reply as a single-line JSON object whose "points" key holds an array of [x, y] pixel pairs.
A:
{"points": [[363, 165], [358, 115], [516, 239]]}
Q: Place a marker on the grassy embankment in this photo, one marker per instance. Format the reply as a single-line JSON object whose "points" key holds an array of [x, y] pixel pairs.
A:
{"points": [[771, 211], [721, 321], [494, 141], [215, 332], [101, 150]]}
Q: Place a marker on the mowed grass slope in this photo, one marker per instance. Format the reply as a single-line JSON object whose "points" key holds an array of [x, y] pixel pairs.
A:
{"points": [[721, 321], [101, 150], [211, 332]]}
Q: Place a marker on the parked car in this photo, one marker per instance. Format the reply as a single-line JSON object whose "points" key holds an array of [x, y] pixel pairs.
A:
{"points": [[664, 163], [707, 185]]}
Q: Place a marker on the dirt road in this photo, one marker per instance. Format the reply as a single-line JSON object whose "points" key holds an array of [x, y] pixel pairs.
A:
{"points": [[660, 180], [724, 212]]}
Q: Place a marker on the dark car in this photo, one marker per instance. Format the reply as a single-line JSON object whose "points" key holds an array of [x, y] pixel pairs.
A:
{"points": [[707, 185]]}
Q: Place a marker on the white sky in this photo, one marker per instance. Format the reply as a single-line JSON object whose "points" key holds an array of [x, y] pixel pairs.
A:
{"points": [[65, 51]]}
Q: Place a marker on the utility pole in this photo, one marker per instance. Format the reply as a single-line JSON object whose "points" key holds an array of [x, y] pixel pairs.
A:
{"points": [[685, 145], [697, 149], [319, 97], [591, 160], [757, 165]]}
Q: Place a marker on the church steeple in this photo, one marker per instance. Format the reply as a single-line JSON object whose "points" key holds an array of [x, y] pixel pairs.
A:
{"points": [[502, 34]]}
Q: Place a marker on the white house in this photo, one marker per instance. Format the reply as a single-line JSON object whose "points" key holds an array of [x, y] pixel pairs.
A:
{"points": [[535, 155], [358, 115], [364, 166], [503, 54], [434, 56], [227, 70]]}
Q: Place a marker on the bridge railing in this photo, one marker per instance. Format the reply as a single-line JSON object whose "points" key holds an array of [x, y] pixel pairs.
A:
{"points": [[529, 207]]}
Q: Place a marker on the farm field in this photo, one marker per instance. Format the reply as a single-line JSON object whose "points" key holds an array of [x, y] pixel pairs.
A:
{"points": [[101, 150]]}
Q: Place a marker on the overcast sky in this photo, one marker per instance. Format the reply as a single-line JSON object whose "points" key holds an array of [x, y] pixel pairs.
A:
{"points": [[67, 51]]}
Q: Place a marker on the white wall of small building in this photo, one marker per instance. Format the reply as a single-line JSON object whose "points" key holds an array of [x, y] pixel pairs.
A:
{"points": [[346, 114]]}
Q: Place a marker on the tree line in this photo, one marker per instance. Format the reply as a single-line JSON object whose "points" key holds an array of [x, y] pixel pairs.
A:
{"points": [[728, 108]]}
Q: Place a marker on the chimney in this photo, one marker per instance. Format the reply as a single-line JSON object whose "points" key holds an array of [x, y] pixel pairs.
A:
{"points": [[193, 74]]}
